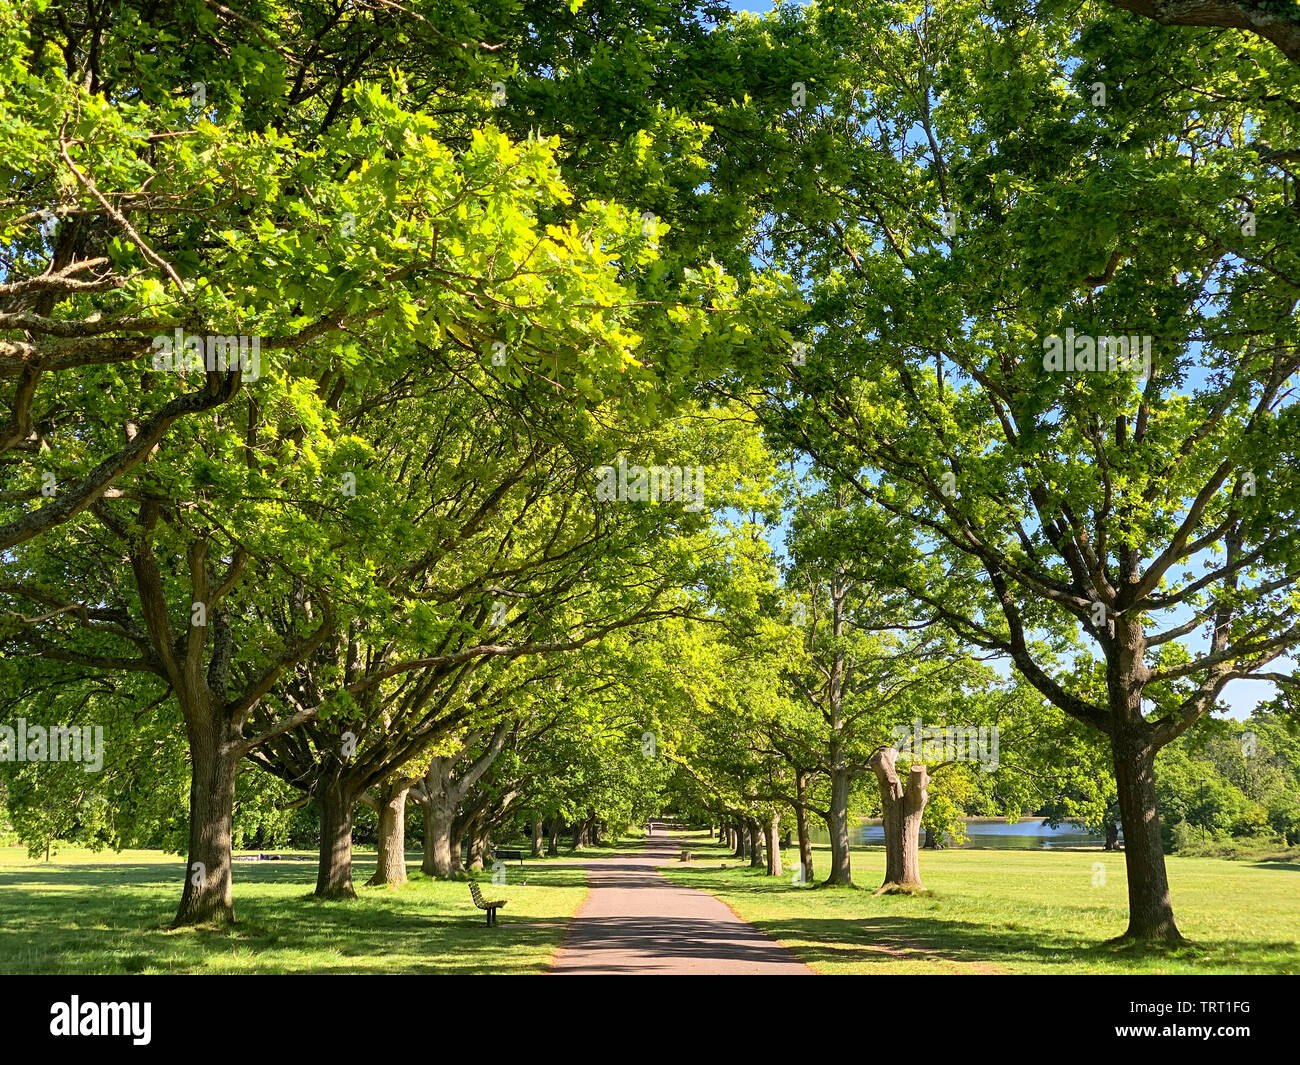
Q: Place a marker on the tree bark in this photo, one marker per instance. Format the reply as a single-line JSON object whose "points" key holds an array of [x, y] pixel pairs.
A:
{"points": [[553, 843], [480, 845], [1282, 30], [837, 823], [1112, 836], [334, 873], [538, 833], [197, 666], [1133, 751], [581, 831], [737, 831], [438, 850], [801, 827], [1150, 909], [456, 845], [442, 791], [903, 808], [208, 895], [755, 831], [390, 866], [774, 844], [426, 817]]}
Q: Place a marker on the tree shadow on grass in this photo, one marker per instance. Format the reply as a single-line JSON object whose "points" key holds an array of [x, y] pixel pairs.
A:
{"points": [[93, 876], [112, 918], [871, 940], [922, 938]]}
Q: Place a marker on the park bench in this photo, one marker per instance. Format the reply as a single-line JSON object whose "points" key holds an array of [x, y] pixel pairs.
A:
{"points": [[508, 855], [489, 906]]}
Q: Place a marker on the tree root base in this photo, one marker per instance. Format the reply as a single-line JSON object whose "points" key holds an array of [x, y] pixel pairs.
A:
{"points": [[1161, 941], [900, 889], [212, 923], [347, 894]]}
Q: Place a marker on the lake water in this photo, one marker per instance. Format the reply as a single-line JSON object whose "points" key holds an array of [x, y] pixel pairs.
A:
{"points": [[1030, 834]]}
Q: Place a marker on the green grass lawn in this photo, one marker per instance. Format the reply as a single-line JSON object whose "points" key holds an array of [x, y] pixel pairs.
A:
{"points": [[107, 913], [1005, 911], [1013, 911]]}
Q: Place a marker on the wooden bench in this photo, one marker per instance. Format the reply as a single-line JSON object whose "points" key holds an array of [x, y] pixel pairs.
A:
{"points": [[508, 855], [490, 906]]}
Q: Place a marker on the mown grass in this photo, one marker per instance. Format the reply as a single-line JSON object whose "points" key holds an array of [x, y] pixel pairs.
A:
{"points": [[987, 911], [1012, 911], [92, 913]]}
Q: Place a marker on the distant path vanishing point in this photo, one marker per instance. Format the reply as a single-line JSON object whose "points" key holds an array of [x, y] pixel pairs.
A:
{"points": [[637, 922]]}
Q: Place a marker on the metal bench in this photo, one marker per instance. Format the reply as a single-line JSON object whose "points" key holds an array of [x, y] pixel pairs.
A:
{"points": [[489, 906], [508, 855]]}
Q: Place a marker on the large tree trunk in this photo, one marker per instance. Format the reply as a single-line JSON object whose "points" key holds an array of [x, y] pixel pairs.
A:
{"points": [[755, 831], [774, 844], [480, 848], [1112, 836], [390, 867], [1150, 909], [801, 827], [438, 850], [456, 845], [581, 832], [553, 843], [837, 823], [334, 873], [737, 831], [538, 833], [903, 808], [442, 791], [837, 820], [426, 817], [214, 761]]}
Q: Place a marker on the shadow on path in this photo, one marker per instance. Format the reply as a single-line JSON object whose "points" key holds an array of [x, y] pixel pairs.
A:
{"points": [[635, 921]]}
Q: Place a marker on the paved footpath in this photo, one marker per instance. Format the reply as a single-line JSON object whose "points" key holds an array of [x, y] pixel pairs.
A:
{"points": [[635, 921]]}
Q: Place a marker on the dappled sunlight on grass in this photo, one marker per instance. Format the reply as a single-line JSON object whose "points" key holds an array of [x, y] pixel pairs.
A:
{"points": [[108, 913], [1011, 911], [986, 911]]}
